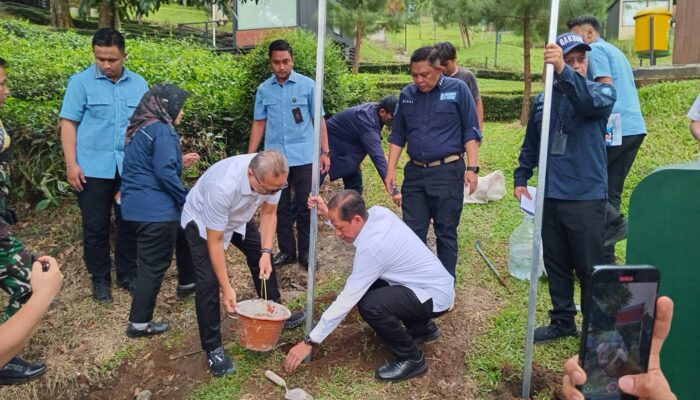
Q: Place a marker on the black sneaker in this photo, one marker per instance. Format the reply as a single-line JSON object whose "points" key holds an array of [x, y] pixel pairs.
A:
{"points": [[545, 334], [219, 363], [184, 291], [282, 259], [153, 328], [425, 334], [399, 370], [19, 371], [295, 320], [102, 292]]}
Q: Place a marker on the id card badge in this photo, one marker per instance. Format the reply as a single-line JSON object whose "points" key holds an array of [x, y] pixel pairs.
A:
{"points": [[559, 143], [613, 130], [296, 112]]}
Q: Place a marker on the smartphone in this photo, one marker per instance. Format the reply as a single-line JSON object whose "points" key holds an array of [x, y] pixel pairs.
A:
{"points": [[617, 328]]}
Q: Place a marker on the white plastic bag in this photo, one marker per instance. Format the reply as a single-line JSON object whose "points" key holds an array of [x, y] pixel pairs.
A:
{"points": [[491, 187]]}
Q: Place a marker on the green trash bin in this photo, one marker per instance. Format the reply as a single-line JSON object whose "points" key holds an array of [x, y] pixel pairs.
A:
{"points": [[664, 229]]}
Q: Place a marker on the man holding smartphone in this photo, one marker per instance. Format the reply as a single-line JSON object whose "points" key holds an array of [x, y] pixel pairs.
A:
{"points": [[576, 188]]}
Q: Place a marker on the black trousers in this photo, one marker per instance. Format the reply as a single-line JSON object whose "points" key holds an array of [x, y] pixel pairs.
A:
{"points": [[572, 236], [620, 160], [96, 202], [155, 242], [350, 182], [437, 194], [183, 259], [299, 180], [390, 311], [206, 297]]}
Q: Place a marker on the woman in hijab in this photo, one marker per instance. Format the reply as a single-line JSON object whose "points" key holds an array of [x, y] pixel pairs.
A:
{"points": [[152, 196]]}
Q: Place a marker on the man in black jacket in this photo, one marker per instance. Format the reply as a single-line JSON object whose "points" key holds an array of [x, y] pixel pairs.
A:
{"points": [[576, 188]]}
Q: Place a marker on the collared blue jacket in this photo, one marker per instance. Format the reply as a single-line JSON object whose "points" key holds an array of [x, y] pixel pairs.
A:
{"points": [[580, 110], [436, 124], [102, 110], [352, 135]]}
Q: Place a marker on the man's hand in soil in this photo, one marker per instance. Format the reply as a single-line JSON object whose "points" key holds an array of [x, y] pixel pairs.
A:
{"points": [[296, 355], [228, 297], [320, 204], [650, 386]]}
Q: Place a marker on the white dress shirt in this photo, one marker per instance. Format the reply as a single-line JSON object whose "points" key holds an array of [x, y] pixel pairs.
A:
{"points": [[387, 249], [222, 199]]}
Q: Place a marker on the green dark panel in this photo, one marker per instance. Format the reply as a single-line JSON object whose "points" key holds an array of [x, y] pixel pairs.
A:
{"points": [[664, 231]]}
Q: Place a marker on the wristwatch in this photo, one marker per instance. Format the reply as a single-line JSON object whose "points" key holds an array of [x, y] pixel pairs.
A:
{"points": [[474, 169], [307, 340]]}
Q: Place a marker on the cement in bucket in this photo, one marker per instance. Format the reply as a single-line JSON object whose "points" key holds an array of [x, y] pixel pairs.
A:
{"points": [[258, 328]]}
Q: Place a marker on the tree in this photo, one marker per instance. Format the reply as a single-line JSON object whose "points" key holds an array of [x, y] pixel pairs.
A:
{"points": [[464, 13], [365, 17], [60, 14], [531, 19]]}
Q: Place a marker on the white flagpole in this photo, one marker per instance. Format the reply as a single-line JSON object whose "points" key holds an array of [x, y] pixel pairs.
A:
{"points": [[539, 203], [318, 103]]}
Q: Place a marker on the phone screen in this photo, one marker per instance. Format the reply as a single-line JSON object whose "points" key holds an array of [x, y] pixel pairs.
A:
{"points": [[617, 328]]}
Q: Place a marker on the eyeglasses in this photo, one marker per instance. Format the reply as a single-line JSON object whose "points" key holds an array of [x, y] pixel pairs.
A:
{"points": [[268, 191], [570, 61]]}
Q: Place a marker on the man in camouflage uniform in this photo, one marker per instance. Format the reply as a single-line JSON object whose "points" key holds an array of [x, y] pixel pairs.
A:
{"points": [[15, 262]]}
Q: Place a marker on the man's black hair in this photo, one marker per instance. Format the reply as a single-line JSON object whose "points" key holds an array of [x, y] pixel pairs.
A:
{"points": [[108, 37], [584, 20], [389, 103], [446, 51], [279, 45], [349, 203], [3, 63], [426, 53]]}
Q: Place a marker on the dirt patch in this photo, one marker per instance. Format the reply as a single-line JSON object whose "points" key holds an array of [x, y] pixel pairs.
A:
{"points": [[544, 381]]}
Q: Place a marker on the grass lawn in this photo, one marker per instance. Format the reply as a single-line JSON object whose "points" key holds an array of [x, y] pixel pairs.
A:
{"points": [[173, 14]]}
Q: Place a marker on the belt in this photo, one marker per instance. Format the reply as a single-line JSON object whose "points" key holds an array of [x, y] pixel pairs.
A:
{"points": [[439, 162]]}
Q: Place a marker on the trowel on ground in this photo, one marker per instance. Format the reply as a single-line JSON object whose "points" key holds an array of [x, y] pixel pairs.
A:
{"points": [[294, 394]]}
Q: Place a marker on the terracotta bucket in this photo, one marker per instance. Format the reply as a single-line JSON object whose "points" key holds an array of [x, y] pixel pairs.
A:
{"points": [[260, 327]]}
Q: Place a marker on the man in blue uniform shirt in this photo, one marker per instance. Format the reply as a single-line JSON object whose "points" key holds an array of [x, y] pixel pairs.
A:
{"points": [[353, 134], [577, 180], [607, 64], [96, 109], [284, 107], [437, 119]]}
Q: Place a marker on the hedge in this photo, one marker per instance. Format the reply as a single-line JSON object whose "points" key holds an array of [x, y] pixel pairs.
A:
{"points": [[402, 68], [218, 113]]}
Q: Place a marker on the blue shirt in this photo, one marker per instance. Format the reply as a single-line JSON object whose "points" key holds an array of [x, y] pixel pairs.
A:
{"points": [[580, 111], [436, 124], [151, 187], [102, 110], [275, 103], [352, 134], [604, 60]]}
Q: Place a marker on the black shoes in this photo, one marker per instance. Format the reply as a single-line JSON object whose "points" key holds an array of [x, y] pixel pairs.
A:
{"points": [[551, 332], [101, 291], [295, 320], [425, 334], [153, 328], [19, 371], [282, 259], [128, 284], [304, 261], [399, 370], [219, 363], [184, 291]]}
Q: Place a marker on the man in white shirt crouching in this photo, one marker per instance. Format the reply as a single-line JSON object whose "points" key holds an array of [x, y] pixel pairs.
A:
{"points": [[397, 283]]}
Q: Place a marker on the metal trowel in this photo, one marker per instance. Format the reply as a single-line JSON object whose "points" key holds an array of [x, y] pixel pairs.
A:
{"points": [[294, 394]]}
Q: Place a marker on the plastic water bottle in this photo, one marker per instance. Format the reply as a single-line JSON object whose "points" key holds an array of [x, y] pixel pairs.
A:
{"points": [[520, 250]]}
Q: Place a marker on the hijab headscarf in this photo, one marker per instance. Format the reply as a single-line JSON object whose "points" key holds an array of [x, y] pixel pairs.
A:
{"points": [[162, 103]]}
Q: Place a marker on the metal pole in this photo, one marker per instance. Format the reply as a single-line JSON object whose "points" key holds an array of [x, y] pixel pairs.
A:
{"points": [[313, 229], [652, 57], [495, 54], [539, 203], [213, 24]]}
